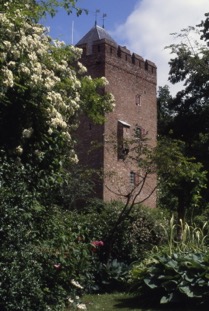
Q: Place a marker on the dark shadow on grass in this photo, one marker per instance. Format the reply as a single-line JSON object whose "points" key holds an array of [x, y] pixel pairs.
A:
{"points": [[134, 302]]}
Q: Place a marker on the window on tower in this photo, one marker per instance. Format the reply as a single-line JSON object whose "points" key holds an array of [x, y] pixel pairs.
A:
{"points": [[134, 179], [138, 100], [138, 132], [123, 139]]}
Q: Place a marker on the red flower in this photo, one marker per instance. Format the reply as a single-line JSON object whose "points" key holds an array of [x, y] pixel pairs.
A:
{"points": [[96, 244]]}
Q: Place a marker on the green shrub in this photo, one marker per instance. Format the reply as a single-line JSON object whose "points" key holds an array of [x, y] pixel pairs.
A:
{"points": [[136, 235], [40, 253], [180, 278], [176, 273], [112, 276]]}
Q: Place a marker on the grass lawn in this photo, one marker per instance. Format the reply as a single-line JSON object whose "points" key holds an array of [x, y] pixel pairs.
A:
{"points": [[116, 302], [110, 302]]}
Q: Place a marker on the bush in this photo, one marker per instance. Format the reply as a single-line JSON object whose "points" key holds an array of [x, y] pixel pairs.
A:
{"points": [[40, 253], [133, 238], [180, 278], [176, 273], [112, 276]]}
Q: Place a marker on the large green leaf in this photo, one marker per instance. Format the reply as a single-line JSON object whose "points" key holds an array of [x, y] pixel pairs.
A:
{"points": [[187, 291], [166, 299], [150, 283]]}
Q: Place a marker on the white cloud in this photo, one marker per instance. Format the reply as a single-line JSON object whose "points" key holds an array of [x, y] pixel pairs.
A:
{"points": [[147, 29]]}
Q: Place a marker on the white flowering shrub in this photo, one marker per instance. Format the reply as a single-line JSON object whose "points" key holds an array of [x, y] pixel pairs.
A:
{"points": [[42, 91]]}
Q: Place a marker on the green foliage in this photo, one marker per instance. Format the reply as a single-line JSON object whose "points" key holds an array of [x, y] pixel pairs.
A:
{"points": [[93, 104], [41, 248], [180, 278], [193, 238], [205, 28], [176, 273], [186, 116], [181, 178], [44, 250], [112, 276], [165, 113], [137, 234]]}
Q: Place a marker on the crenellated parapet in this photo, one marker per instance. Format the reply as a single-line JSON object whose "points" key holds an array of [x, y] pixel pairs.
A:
{"points": [[103, 50]]}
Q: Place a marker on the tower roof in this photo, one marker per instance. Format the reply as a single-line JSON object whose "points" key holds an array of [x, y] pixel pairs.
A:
{"points": [[95, 33]]}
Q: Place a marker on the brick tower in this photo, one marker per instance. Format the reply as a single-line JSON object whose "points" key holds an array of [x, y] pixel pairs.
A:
{"points": [[132, 81]]}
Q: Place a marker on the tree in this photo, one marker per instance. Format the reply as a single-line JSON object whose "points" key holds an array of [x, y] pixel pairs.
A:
{"points": [[205, 28], [190, 108], [181, 180], [42, 91], [41, 95], [165, 113]]}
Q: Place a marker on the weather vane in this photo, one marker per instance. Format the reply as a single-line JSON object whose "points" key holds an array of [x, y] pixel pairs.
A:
{"points": [[103, 18], [97, 11]]}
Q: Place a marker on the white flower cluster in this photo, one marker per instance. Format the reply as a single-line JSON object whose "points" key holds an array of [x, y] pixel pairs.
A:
{"points": [[31, 61], [104, 81], [76, 284], [75, 302], [7, 75], [27, 132]]}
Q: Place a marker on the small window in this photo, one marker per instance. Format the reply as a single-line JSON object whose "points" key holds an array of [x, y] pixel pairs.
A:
{"points": [[138, 100], [134, 179], [138, 132], [123, 139]]}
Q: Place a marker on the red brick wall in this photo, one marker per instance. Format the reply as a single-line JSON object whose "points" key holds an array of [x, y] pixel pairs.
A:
{"points": [[132, 81]]}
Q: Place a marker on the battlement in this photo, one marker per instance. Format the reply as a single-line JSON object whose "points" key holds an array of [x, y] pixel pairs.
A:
{"points": [[104, 49], [132, 80]]}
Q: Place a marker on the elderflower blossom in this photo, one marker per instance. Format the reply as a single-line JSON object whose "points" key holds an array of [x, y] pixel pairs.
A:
{"points": [[76, 284], [81, 306], [27, 62], [24, 70], [27, 132], [112, 100], [12, 64], [50, 131], [7, 44], [74, 159], [67, 136], [82, 68], [56, 122], [35, 79], [77, 51], [37, 69], [49, 83], [8, 78], [19, 150], [104, 81], [15, 53], [58, 43], [70, 300], [32, 56]]}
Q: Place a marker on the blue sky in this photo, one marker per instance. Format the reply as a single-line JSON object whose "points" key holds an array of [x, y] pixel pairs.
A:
{"points": [[144, 26], [117, 12]]}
